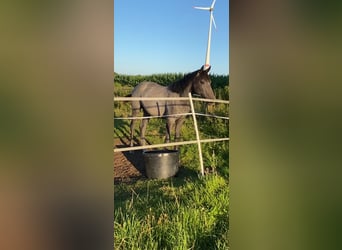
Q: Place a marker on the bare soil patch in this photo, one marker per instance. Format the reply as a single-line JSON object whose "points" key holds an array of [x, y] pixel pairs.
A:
{"points": [[129, 165]]}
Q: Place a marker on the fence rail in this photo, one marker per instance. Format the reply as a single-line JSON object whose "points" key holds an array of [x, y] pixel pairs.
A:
{"points": [[170, 144], [163, 116], [198, 141], [125, 99]]}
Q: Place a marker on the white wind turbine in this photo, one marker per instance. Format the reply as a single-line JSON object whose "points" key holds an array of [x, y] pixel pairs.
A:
{"points": [[212, 20]]}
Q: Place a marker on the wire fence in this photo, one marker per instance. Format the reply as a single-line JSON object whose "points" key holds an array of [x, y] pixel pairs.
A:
{"points": [[191, 99]]}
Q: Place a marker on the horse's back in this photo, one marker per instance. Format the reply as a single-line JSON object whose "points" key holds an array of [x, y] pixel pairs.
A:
{"points": [[151, 89]]}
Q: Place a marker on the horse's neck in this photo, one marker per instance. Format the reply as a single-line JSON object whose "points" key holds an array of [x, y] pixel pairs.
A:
{"points": [[181, 87], [185, 92]]}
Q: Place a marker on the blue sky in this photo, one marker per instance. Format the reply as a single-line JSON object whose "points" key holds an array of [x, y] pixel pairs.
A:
{"points": [[169, 36]]}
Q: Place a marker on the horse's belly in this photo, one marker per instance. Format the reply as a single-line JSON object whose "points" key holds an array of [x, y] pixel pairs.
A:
{"points": [[154, 108], [151, 89]]}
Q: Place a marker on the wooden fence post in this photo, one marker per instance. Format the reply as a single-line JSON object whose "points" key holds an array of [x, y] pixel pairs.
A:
{"points": [[197, 134]]}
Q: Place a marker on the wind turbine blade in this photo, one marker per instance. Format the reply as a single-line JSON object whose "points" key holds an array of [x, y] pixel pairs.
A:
{"points": [[212, 5], [202, 8], [212, 18]]}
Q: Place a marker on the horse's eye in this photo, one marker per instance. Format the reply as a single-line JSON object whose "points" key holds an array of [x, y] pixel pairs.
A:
{"points": [[202, 82]]}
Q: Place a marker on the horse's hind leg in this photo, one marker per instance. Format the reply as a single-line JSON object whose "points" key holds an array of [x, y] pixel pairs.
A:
{"points": [[143, 126], [135, 111], [133, 122]]}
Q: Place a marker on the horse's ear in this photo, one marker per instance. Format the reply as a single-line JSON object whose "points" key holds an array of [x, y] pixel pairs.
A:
{"points": [[205, 70]]}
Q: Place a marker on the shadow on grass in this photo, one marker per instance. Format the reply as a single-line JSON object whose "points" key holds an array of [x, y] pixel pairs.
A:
{"points": [[122, 132]]}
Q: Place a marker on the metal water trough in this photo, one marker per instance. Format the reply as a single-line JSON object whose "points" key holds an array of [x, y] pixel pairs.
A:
{"points": [[161, 164]]}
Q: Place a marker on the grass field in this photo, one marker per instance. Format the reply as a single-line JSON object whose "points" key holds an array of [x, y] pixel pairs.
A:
{"points": [[190, 213], [185, 212]]}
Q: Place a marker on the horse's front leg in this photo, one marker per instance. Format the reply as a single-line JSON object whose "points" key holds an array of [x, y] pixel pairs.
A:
{"points": [[169, 126], [179, 124]]}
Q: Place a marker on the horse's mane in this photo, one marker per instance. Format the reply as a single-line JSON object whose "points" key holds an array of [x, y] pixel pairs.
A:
{"points": [[181, 84]]}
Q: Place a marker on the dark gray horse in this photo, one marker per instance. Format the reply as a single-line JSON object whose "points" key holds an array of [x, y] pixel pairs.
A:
{"points": [[197, 82]]}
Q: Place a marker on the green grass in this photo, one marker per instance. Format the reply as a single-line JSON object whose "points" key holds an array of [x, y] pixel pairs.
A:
{"points": [[185, 212], [172, 214]]}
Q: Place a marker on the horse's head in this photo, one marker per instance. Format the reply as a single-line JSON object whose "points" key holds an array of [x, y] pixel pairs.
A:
{"points": [[202, 84]]}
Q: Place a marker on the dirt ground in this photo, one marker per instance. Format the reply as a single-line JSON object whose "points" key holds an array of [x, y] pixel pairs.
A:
{"points": [[128, 166]]}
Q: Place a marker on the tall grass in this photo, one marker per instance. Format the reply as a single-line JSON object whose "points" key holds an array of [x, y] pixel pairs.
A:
{"points": [[168, 215]]}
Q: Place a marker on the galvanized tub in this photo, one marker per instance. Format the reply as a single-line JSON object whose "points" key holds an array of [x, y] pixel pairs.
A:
{"points": [[161, 164]]}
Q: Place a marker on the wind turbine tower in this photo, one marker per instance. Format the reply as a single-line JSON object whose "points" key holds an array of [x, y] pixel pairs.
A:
{"points": [[211, 21]]}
